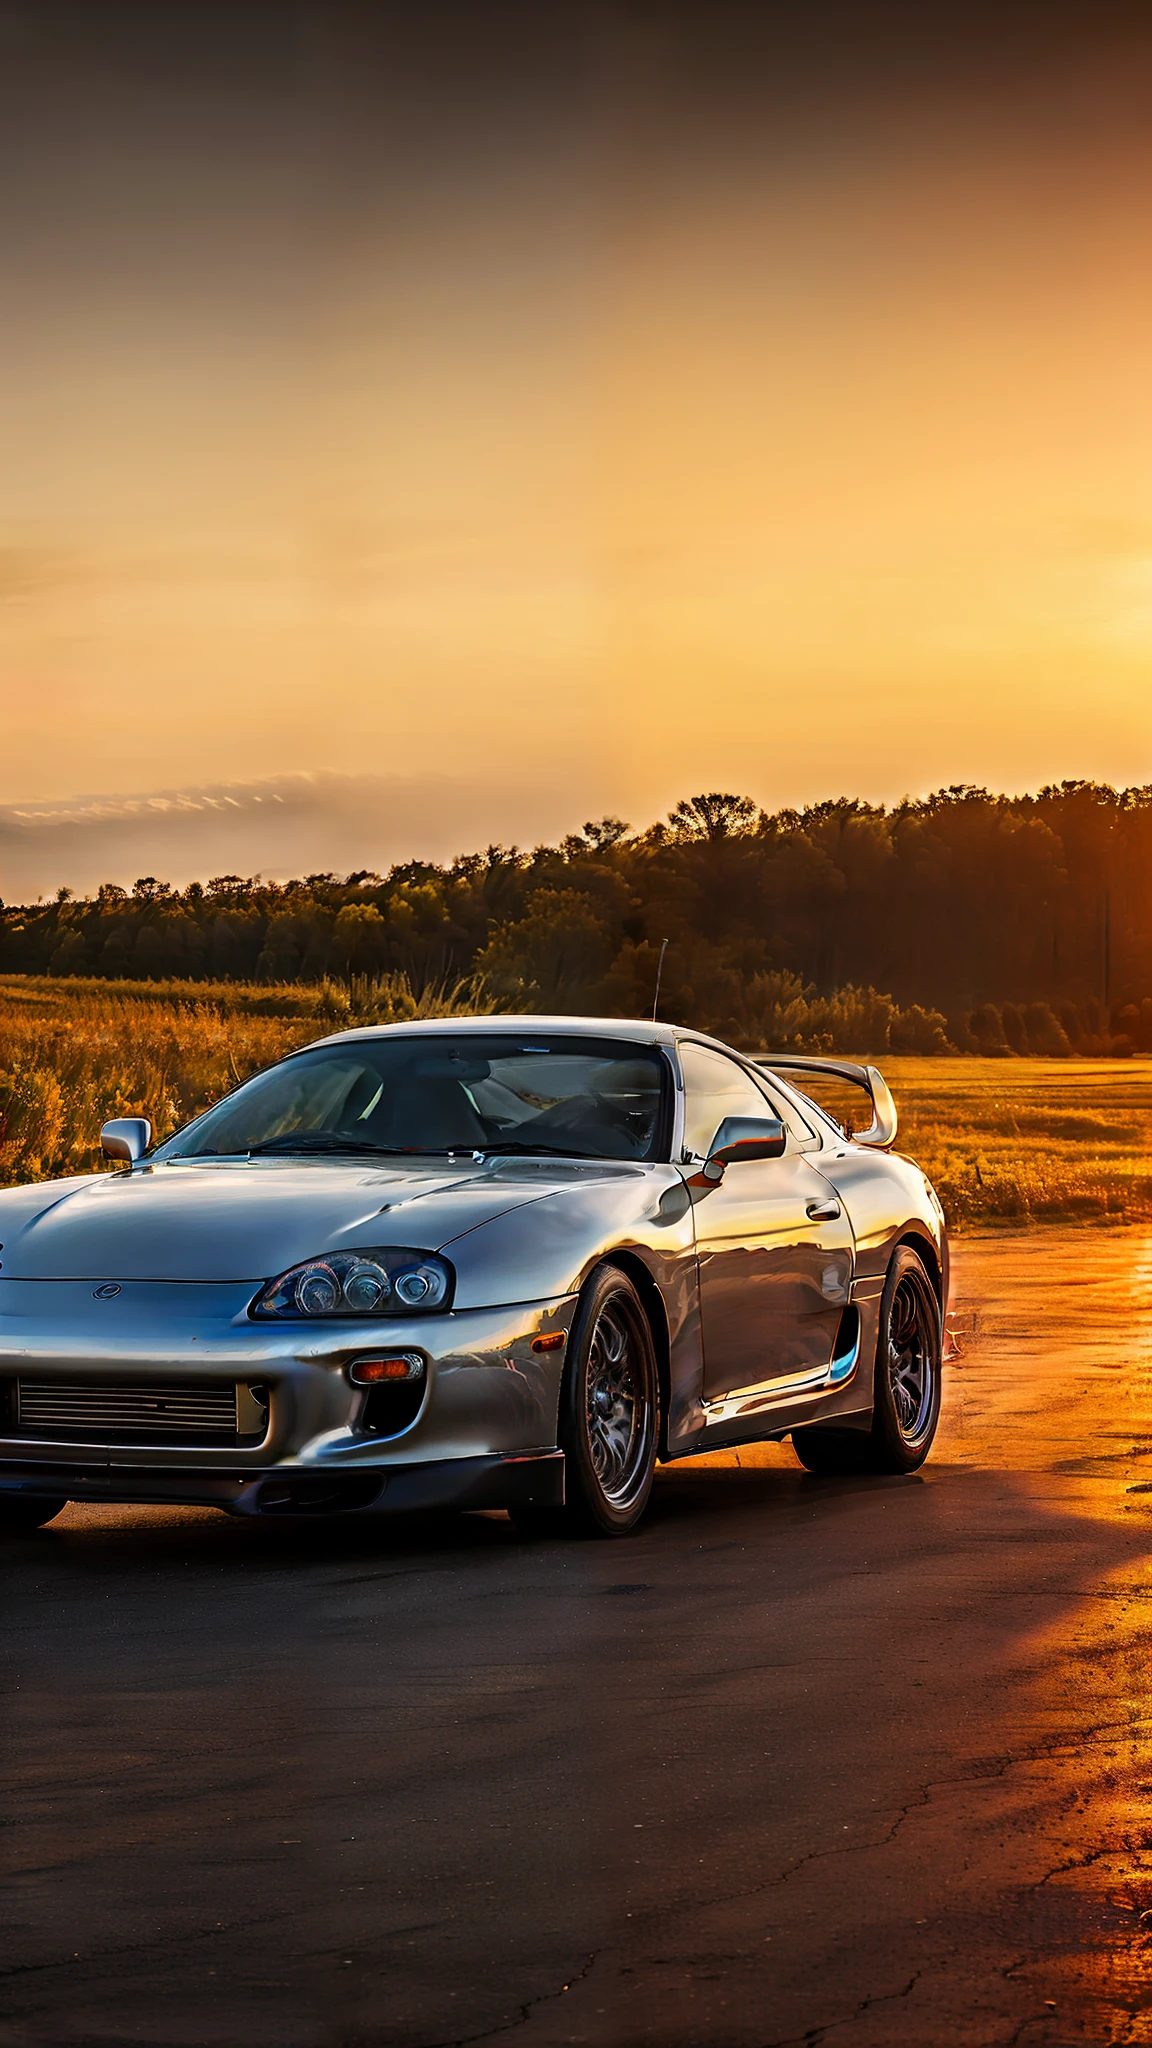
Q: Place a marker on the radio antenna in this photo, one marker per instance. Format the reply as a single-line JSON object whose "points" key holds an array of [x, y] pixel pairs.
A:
{"points": [[659, 972]]}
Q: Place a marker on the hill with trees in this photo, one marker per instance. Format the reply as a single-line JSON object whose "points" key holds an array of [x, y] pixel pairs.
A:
{"points": [[987, 923]]}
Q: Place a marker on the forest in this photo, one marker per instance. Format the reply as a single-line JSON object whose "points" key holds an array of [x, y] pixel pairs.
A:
{"points": [[962, 921]]}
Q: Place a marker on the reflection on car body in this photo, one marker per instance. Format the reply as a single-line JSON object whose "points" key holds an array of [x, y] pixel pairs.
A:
{"points": [[495, 1262]]}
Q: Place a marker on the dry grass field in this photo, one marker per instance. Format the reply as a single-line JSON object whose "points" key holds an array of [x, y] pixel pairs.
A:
{"points": [[1026, 1140], [1012, 1141], [70, 1057], [74, 1053]]}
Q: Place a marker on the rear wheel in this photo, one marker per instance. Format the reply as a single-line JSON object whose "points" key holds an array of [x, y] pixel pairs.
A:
{"points": [[906, 1397], [609, 1416], [24, 1511]]}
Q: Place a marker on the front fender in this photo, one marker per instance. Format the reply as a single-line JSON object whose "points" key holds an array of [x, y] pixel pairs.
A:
{"points": [[548, 1249], [550, 1245]]}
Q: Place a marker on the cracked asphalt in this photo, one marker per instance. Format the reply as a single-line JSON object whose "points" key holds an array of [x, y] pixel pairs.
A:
{"points": [[804, 1762]]}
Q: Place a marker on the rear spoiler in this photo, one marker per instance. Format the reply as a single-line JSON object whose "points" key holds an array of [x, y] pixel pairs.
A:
{"points": [[881, 1131]]}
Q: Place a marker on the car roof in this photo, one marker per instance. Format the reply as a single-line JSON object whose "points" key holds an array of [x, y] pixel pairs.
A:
{"points": [[641, 1030]]}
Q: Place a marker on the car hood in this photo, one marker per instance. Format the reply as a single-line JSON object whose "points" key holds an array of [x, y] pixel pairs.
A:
{"points": [[233, 1220]]}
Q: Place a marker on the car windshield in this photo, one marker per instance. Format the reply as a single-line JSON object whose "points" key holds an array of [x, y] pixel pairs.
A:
{"points": [[578, 1097]]}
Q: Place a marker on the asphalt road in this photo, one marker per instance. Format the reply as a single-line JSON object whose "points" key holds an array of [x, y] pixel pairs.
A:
{"points": [[805, 1761]]}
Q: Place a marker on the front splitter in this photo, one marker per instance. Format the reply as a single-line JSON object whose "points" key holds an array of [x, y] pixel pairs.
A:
{"points": [[454, 1485]]}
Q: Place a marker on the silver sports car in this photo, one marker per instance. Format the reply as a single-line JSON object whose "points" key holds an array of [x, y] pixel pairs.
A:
{"points": [[503, 1262]]}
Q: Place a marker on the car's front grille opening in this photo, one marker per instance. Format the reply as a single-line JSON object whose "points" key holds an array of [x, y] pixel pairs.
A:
{"points": [[194, 1413]]}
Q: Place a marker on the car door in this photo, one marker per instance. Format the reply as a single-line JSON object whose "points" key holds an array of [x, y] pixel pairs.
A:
{"points": [[774, 1244]]}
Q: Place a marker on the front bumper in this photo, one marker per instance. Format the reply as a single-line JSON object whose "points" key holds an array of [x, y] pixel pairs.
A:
{"points": [[488, 1415]]}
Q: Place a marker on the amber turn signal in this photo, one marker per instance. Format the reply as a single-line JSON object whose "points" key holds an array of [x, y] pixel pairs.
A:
{"points": [[399, 1365], [551, 1342]]}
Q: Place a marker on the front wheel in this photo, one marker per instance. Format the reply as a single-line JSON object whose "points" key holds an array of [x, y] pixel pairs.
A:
{"points": [[609, 1415], [906, 1391], [22, 1512]]}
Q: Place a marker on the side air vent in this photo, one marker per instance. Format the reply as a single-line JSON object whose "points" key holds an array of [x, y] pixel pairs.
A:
{"points": [[847, 1350]]}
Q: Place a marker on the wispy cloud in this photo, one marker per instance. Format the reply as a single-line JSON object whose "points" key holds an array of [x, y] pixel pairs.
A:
{"points": [[291, 825]]}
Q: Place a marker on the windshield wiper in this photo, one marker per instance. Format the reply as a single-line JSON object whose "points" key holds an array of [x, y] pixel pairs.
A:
{"points": [[301, 1142], [554, 1151]]}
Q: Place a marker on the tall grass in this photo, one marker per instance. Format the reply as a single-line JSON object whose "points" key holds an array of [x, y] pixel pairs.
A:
{"points": [[73, 1054]]}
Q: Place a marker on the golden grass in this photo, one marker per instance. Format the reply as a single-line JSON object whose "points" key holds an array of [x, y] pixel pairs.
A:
{"points": [[1005, 1141], [74, 1053], [64, 1070]]}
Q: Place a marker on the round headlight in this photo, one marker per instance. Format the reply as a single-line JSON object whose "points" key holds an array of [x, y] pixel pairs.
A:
{"points": [[366, 1287], [364, 1280], [420, 1286], [317, 1289]]}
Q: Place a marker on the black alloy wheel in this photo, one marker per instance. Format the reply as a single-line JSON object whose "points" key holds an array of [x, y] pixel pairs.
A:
{"points": [[609, 1421], [910, 1361], [906, 1387], [20, 1513]]}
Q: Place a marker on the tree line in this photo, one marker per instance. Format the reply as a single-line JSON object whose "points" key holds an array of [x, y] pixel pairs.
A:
{"points": [[985, 922]]}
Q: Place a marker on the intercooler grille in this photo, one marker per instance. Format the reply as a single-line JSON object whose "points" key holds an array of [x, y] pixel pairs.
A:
{"points": [[129, 1413]]}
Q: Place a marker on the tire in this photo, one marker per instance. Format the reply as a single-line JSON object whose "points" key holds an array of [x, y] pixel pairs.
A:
{"points": [[609, 1422], [906, 1387], [21, 1512]]}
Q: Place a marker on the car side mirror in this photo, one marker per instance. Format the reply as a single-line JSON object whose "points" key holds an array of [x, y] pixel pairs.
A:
{"points": [[740, 1138], [126, 1137]]}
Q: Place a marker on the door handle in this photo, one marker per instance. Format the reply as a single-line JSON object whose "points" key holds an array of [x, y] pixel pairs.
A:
{"points": [[823, 1212]]}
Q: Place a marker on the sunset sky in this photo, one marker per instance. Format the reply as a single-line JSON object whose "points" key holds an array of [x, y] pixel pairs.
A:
{"points": [[578, 405]]}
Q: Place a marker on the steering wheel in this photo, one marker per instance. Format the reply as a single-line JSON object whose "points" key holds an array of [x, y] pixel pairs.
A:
{"points": [[576, 1113]]}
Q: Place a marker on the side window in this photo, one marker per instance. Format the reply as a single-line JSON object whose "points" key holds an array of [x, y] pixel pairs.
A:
{"points": [[715, 1087], [791, 1118]]}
